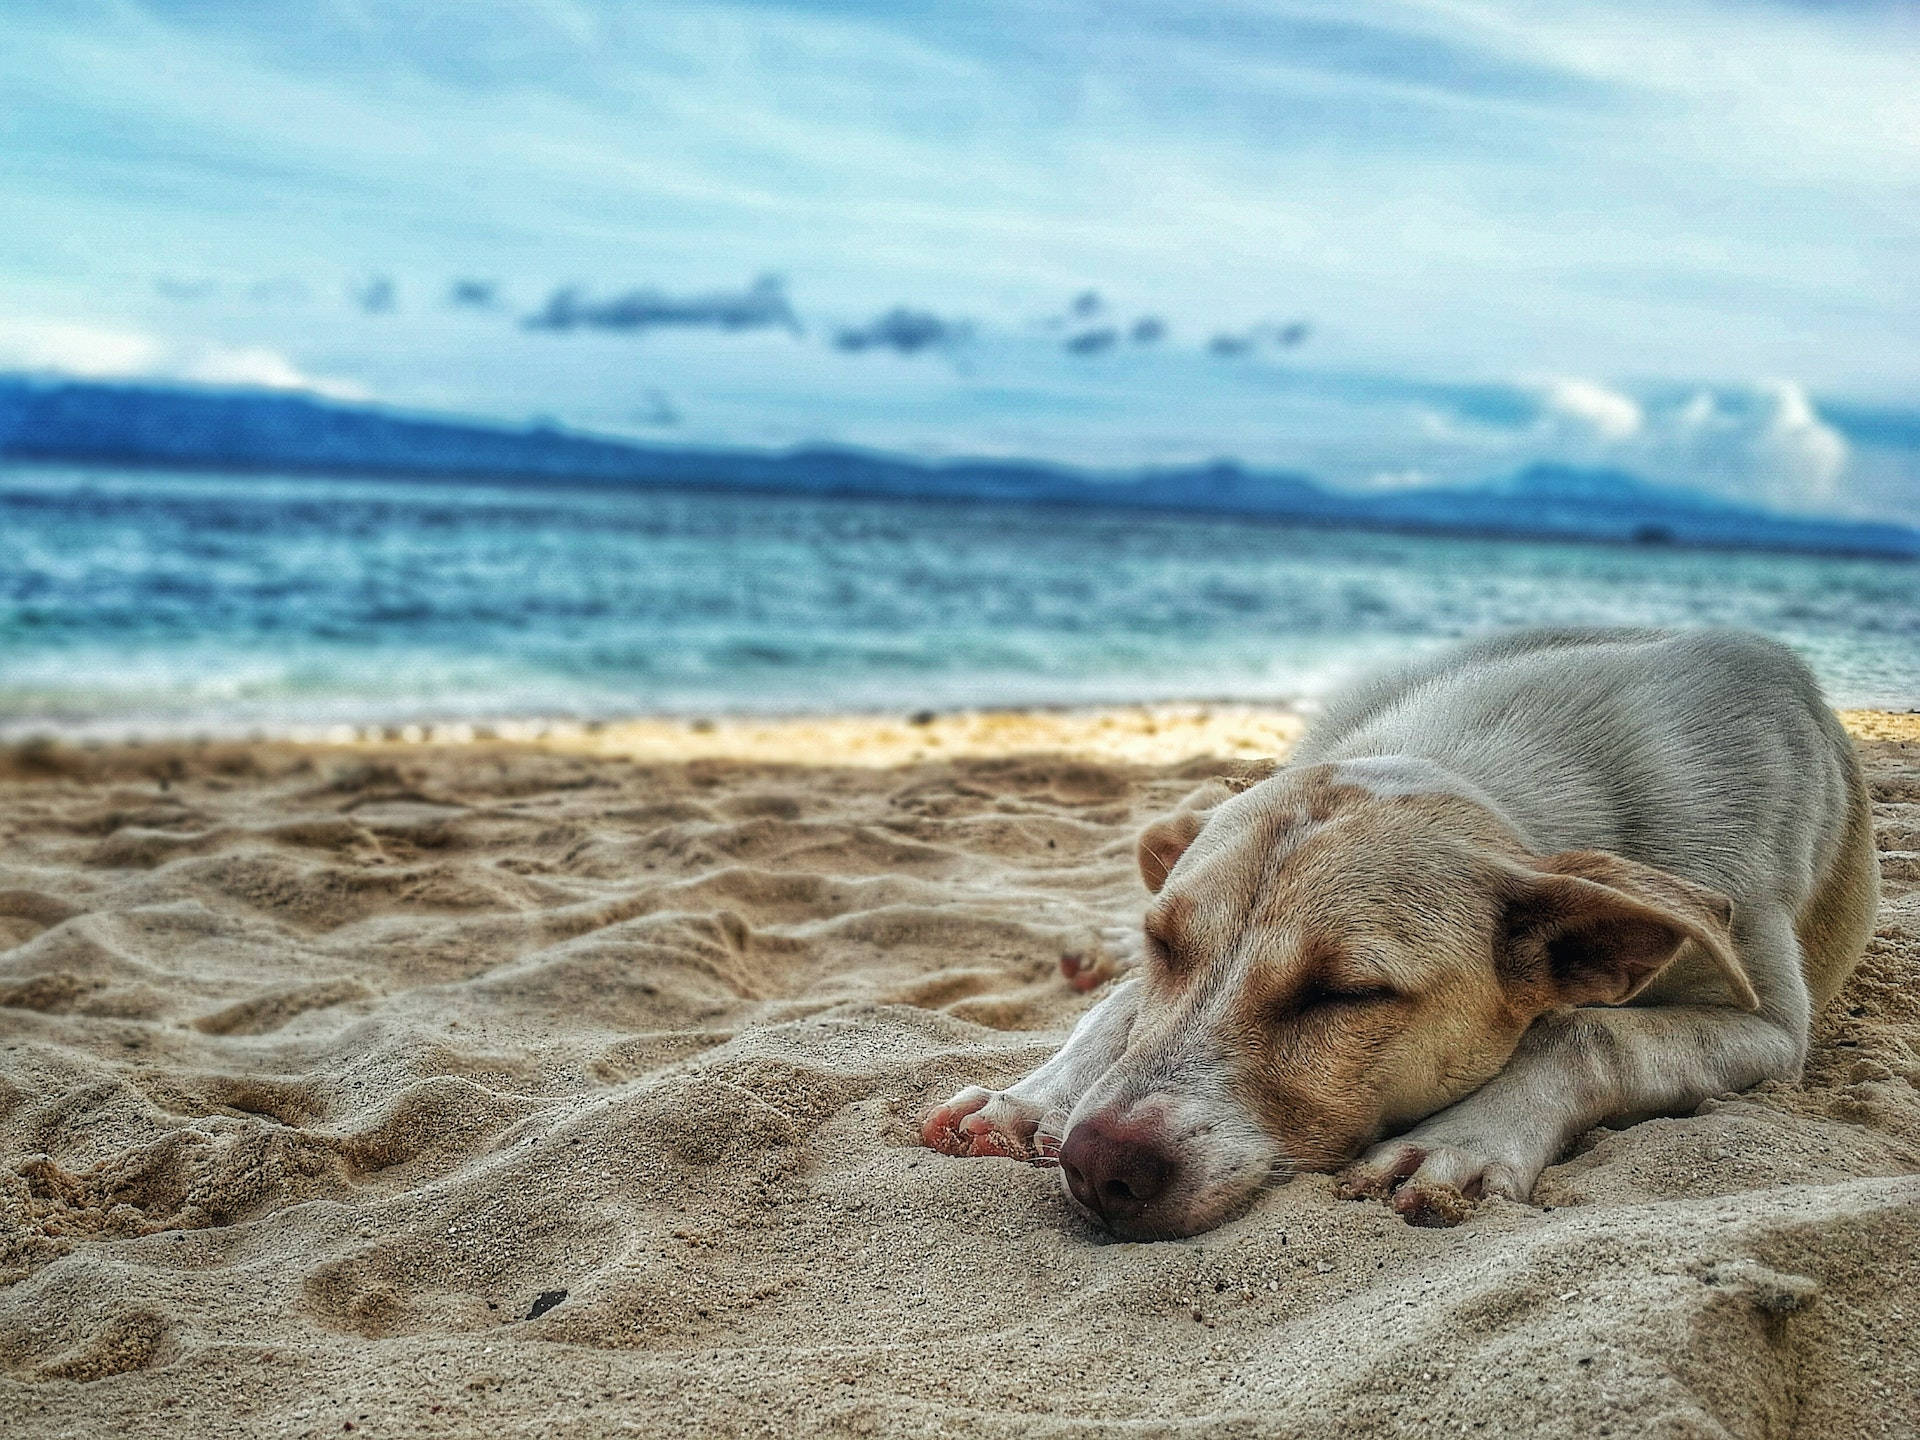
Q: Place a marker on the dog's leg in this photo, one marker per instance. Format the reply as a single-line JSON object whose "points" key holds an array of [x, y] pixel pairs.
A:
{"points": [[1023, 1121], [1575, 1069]]}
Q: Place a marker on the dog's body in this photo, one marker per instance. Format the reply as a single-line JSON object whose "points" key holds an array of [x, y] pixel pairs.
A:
{"points": [[1539, 883]]}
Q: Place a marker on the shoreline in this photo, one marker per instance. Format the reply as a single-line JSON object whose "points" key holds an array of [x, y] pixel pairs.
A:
{"points": [[1157, 733], [1154, 732]]}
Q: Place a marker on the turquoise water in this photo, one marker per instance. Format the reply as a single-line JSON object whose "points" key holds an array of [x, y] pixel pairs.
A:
{"points": [[150, 604]]}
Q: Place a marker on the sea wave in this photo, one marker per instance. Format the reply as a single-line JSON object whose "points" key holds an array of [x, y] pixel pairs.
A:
{"points": [[146, 603]]}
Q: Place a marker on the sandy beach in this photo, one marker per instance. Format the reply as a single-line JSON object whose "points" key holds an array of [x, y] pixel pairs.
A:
{"points": [[569, 1084]]}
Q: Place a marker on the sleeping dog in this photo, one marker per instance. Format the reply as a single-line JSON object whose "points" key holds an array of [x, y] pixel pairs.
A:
{"points": [[1544, 882]]}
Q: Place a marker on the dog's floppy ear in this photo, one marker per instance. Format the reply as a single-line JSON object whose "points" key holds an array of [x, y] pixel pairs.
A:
{"points": [[1164, 841], [1591, 928]]}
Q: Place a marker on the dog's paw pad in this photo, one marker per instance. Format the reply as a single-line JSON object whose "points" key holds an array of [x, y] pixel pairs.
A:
{"points": [[1431, 1183], [982, 1122], [942, 1128], [1379, 1172]]}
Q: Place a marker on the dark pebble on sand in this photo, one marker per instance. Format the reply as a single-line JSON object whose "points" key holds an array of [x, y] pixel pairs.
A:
{"points": [[546, 1300]]}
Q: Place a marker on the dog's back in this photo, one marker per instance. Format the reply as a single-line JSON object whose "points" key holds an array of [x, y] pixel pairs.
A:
{"points": [[1709, 754]]}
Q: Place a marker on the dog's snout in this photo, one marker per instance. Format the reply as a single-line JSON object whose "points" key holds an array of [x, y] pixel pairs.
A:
{"points": [[1114, 1174]]}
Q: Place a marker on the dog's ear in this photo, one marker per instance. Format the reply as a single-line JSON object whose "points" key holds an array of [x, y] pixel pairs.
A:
{"points": [[1164, 841], [1586, 927]]}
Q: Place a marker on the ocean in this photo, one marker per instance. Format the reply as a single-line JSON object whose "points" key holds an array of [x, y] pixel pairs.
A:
{"points": [[147, 604]]}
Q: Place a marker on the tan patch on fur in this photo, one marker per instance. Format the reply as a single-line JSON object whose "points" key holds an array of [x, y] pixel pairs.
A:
{"points": [[1166, 926], [1368, 997], [1837, 922]]}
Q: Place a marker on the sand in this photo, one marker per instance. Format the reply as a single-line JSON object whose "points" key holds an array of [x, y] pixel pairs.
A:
{"points": [[322, 1068]]}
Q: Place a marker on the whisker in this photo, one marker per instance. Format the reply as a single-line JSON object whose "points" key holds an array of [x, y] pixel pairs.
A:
{"points": [[1279, 1173]]}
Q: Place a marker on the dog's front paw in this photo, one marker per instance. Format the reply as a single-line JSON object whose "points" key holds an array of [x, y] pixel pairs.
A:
{"points": [[979, 1121], [1431, 1182], [1086, 969], [1110, 951]]}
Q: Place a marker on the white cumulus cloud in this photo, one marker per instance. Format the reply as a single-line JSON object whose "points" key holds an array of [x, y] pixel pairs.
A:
{"points": [[1766, 442], [1583, 406], [1763, 443], [96, 352], [83, 350]]}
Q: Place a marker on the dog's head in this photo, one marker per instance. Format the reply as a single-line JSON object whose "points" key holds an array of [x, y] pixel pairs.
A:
{"points": [[1332, 955]]}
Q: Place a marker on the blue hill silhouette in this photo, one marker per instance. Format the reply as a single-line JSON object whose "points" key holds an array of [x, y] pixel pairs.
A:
{"points": [[185, 428]]}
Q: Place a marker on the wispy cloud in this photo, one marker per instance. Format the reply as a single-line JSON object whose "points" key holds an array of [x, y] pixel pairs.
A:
{"points": [[659, 410]]}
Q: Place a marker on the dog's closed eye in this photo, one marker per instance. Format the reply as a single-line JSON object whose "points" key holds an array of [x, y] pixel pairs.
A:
{"points": [[1326, 996], [1165, 935], [1351, 994], [1162, 952], [1331, 977]]}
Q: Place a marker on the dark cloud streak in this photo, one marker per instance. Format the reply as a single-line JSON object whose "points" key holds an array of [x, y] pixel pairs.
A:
{"points": [[1233, 344], [763, 305], [904, 330], [1093, 342], [378, 296], [473, 294]]}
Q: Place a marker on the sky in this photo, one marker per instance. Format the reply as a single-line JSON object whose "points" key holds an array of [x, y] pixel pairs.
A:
{"points": [[1377, 243]]}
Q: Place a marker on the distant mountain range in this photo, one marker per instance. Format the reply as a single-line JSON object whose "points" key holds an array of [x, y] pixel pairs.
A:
{"points": [[180, 428]]}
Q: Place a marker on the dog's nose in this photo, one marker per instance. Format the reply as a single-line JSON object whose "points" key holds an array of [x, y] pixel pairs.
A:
{"points": [[1114, 1175]]}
